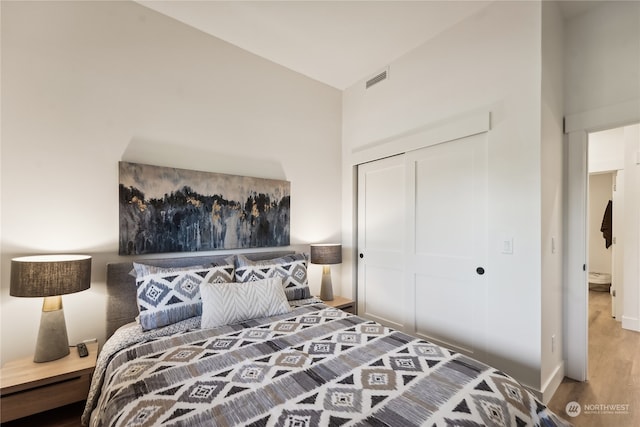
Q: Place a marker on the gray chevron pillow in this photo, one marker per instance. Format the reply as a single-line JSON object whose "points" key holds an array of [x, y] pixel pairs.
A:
{"points": [[230, 303]]}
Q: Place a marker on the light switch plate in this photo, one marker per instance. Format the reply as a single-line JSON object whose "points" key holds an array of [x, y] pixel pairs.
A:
{"points": [[507, 246]]}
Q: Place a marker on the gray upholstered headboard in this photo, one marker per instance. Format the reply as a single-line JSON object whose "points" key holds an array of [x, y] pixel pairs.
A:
{"points": [[121, 285]]}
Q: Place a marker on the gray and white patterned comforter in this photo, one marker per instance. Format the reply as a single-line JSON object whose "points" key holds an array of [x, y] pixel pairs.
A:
{"points": [[315, 366]]}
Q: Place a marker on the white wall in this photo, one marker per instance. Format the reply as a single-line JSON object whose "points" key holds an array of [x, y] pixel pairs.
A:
{"points": [[602, 62], [600, 192], [606, 150], [552, 195], [491, 61], [87, 84]]}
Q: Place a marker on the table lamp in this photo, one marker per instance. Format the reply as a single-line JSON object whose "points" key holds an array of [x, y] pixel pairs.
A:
{"points": [[50, 276], [325, 254]]}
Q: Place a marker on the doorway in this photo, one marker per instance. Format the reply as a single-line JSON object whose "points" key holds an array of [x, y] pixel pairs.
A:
{"points": [[576, 256], [605, 211]]}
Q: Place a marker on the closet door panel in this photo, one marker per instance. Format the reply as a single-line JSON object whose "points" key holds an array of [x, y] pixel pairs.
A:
{"points": [[447, 246], [381, 241], [437, 320]]}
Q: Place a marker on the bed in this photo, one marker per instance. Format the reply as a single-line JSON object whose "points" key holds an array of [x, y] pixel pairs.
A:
{"points": [[306, 365]]}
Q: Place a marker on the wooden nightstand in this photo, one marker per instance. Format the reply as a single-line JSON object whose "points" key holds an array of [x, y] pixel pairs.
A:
{"points": [[344, 304], [28, 387]]}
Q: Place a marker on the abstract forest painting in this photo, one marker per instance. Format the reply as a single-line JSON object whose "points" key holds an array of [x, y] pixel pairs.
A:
{"points": [[177, 210]]}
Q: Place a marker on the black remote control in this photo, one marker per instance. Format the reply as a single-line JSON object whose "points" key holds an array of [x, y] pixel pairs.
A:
{"points": [[82, 350]]}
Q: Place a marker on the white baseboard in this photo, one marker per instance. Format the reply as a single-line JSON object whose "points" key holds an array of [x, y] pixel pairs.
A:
{"points": [[631, 323], [552, 384]]}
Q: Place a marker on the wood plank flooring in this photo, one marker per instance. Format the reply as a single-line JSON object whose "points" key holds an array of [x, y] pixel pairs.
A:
{"points": [[614, 373]]}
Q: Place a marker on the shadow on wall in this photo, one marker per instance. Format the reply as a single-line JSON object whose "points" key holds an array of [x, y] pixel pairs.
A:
{"points": [[177, 155]]}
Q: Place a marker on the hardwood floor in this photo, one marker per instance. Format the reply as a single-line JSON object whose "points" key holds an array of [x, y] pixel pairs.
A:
{"points": [[611, 396]]}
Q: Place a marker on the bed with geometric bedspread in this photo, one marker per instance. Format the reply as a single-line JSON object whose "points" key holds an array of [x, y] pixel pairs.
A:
{"points": [[311, 366]]}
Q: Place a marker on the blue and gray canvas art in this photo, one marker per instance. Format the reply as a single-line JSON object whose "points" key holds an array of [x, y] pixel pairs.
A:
{"points": [[176, 210]]}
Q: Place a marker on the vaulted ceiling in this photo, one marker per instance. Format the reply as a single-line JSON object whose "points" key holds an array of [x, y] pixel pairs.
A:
{"points": [[334, 42]]}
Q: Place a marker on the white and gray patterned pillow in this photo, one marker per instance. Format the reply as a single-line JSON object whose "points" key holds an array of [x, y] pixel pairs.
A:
{"points": [[140, 269], [291, 268], [230, 303], [168, 297]]}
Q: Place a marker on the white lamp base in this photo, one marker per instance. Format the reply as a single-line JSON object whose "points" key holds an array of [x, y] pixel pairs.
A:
{"points": [[53, 342], [326, 288]]}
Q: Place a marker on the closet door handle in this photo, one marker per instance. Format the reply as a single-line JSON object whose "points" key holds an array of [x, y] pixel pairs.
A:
{"points": [[480, 271], [361, 255]]}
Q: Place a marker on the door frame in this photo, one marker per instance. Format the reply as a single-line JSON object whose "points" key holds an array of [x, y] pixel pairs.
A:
{"points": [[576, 301], [617, 253]]}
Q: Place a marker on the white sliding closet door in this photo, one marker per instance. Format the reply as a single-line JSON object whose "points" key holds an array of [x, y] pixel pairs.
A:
{"points": [[447, 243], [381, 241], [422, 242]]}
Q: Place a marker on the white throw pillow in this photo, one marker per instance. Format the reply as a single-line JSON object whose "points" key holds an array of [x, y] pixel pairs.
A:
{"points": [[229, 303]]}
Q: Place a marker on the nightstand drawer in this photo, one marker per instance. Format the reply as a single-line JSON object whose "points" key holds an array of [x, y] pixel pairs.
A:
{"points": [[349, 308], [29, 388], [45, 397]]}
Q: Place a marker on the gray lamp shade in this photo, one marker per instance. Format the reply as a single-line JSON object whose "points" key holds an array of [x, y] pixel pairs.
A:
{"points": [[326, 254], [49, 275]]}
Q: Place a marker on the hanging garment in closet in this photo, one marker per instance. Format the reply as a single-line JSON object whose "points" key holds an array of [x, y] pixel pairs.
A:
{"points": [[607, 227]]}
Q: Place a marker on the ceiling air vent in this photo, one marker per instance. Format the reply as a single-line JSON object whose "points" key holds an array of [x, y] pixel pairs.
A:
{"points": [[377, 78]]}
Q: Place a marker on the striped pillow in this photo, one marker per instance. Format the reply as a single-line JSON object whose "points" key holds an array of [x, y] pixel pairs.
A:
{"points": [[229, 303]]}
